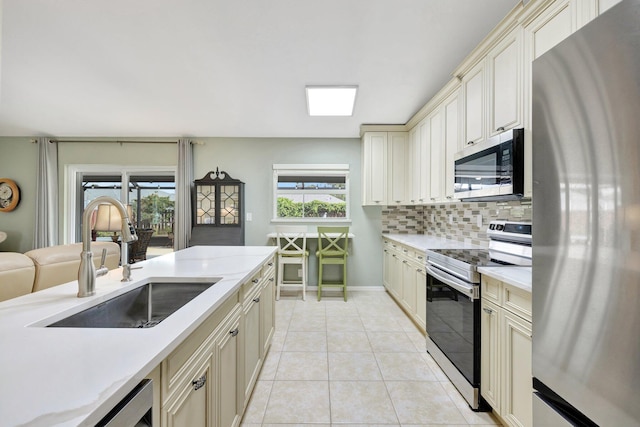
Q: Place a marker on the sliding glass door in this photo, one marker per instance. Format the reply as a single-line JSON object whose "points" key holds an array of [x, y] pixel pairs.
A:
{"points": [[150, 193]]}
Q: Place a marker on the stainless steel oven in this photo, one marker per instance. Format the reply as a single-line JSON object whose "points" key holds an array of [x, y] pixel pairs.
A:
{"points": [[453, 302]]}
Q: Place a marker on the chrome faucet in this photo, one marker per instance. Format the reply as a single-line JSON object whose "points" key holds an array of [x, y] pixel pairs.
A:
{"points": [[87, 272]]}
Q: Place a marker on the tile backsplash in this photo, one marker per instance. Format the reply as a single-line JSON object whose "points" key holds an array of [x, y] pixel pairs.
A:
{"points": [[457, 221]]}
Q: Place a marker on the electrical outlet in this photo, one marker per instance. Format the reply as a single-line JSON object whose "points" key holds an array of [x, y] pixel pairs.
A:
{"points": [[299, 272], [450, 218], [479, 220], [249, 216]]}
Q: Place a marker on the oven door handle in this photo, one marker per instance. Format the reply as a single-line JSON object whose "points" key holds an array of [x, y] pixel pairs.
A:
{"points": [[460, 286]]}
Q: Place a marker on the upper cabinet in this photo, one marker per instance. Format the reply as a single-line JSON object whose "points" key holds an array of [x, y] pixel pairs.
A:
{"points": [[385, 176], [473, 86], [374, 168], [452, 140], [397, 174], [505, 81]]}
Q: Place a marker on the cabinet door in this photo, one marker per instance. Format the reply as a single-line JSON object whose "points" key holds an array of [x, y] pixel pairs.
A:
{"points": [[267, 314], [421, 297], [490, 354], [415, 161], [190, 404], [474, 104], [386, 266], [374, 168], [251, 339], [505, 83], [436, 148], [517, 390], [395, 279], [398, 163], [228, 385], [408, 287], [424, 136], [452, 141]]}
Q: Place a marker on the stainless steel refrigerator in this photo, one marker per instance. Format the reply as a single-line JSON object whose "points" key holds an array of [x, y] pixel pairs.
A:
{"points": [[586, 214]]}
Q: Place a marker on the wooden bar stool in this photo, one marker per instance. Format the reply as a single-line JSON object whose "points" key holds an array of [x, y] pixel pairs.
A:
{"points": [[292, 250], [332, 250]]}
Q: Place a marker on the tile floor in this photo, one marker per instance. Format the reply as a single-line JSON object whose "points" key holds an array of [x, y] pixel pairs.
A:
{"points": [[362, 362]]}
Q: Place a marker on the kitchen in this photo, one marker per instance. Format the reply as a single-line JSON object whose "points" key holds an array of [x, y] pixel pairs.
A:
{"points": [[436, 214]]}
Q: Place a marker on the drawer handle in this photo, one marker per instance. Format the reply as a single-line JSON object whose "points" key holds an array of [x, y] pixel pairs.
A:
{"points": [[470, 143], [199, 383], [234, 332], [405, 251], [404, 261], [419, 270], [419, 257], [500, 129], [487, 310], [270, 264], [271, 279], [256, 299], [255, 280], [394, 255]]}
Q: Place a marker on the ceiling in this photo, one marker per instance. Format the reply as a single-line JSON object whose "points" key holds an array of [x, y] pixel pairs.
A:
{"points": [[227, 68]]}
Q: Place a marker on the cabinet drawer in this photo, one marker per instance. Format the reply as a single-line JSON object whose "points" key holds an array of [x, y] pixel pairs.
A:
{"points": [[268, 267], [491, 289], [517, 301], [250, 286]]}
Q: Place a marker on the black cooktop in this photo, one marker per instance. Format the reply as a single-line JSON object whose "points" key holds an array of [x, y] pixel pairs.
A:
{"points": [[473, 257]]}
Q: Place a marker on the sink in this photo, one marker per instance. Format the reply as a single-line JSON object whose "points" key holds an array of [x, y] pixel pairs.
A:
{"points": [[142, 307]]}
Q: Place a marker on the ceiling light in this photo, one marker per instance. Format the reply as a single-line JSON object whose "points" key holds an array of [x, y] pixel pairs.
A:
{"points": [[331, 100]]}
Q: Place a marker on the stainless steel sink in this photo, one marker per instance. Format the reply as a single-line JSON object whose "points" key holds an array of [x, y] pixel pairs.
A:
{"points": [[143, 307]]}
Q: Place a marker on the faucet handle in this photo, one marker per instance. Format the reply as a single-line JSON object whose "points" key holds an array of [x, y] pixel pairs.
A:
{"points": [[103, 258]]}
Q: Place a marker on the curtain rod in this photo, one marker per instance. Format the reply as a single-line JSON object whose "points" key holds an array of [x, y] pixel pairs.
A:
{"points": [[89, 141]]}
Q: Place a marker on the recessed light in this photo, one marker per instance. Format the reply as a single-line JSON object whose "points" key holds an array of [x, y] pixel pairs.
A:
{"points": [[331, 100]]}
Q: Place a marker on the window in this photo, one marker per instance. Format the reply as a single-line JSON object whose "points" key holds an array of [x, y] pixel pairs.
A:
{"points": [[311, 193]]}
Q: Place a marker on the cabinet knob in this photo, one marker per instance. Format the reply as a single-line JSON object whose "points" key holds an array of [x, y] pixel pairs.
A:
{"points": [[199, 383], [271, 279], [270, 264], [419, 270], [404, 261], [449, 197], [234, 332], [256, 299], [255, 280], [487, 310]]}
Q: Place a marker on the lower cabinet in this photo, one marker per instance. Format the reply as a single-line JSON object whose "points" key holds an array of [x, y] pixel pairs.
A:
{"points": [[208, 380], [506, 363], [405, 279]]}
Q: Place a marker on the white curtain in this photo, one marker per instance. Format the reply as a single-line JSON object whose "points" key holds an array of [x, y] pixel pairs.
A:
{"points": [[46, 225], [184, 182]]}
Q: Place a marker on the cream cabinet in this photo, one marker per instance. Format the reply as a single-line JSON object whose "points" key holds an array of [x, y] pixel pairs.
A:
{"points": [[452, 141], [506, 351], [417, 170], [199, 380], [505, 80], [209, 378], [436, 143], [405, 279], [374, 168], [397, 174], [385, 168], [474, 93]]}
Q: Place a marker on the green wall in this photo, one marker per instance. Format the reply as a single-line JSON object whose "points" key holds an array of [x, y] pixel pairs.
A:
{"points": [[248, 159]]}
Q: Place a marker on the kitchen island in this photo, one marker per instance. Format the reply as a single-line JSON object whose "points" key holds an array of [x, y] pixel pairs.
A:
{"points": [[74, 376]]}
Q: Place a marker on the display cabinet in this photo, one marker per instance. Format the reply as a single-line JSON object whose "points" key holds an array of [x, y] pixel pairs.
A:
{"points": [[218, 207]]}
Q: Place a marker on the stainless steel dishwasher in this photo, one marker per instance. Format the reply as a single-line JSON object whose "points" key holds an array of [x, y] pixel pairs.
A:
{"points": [[134, 410]]}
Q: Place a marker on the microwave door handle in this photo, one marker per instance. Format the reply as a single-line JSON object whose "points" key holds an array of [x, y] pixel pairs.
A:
{"points": [[456, 284]]}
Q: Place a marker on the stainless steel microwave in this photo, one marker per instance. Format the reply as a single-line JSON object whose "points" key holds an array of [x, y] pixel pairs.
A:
{"points": [[491, 170]]}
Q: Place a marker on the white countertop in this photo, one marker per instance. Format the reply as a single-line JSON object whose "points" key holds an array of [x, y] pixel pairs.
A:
{"points": [[74, 376], [516, 276], [422, 242]]}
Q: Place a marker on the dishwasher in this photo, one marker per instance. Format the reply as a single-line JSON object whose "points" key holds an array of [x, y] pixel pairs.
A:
{"points": [[134, 410]]}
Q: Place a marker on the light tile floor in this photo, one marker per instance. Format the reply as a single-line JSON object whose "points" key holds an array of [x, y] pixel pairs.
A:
{"points": [[359, 363]]}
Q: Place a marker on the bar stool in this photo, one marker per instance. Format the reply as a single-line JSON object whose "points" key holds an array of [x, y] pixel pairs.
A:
{"points": [[332, 250], [292, 249]]}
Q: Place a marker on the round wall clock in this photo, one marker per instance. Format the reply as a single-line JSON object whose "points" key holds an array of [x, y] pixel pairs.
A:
{"points": [[9, 195]]}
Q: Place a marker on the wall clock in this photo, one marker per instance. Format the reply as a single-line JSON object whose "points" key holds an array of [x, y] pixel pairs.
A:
{"points": [[9, 195]]}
